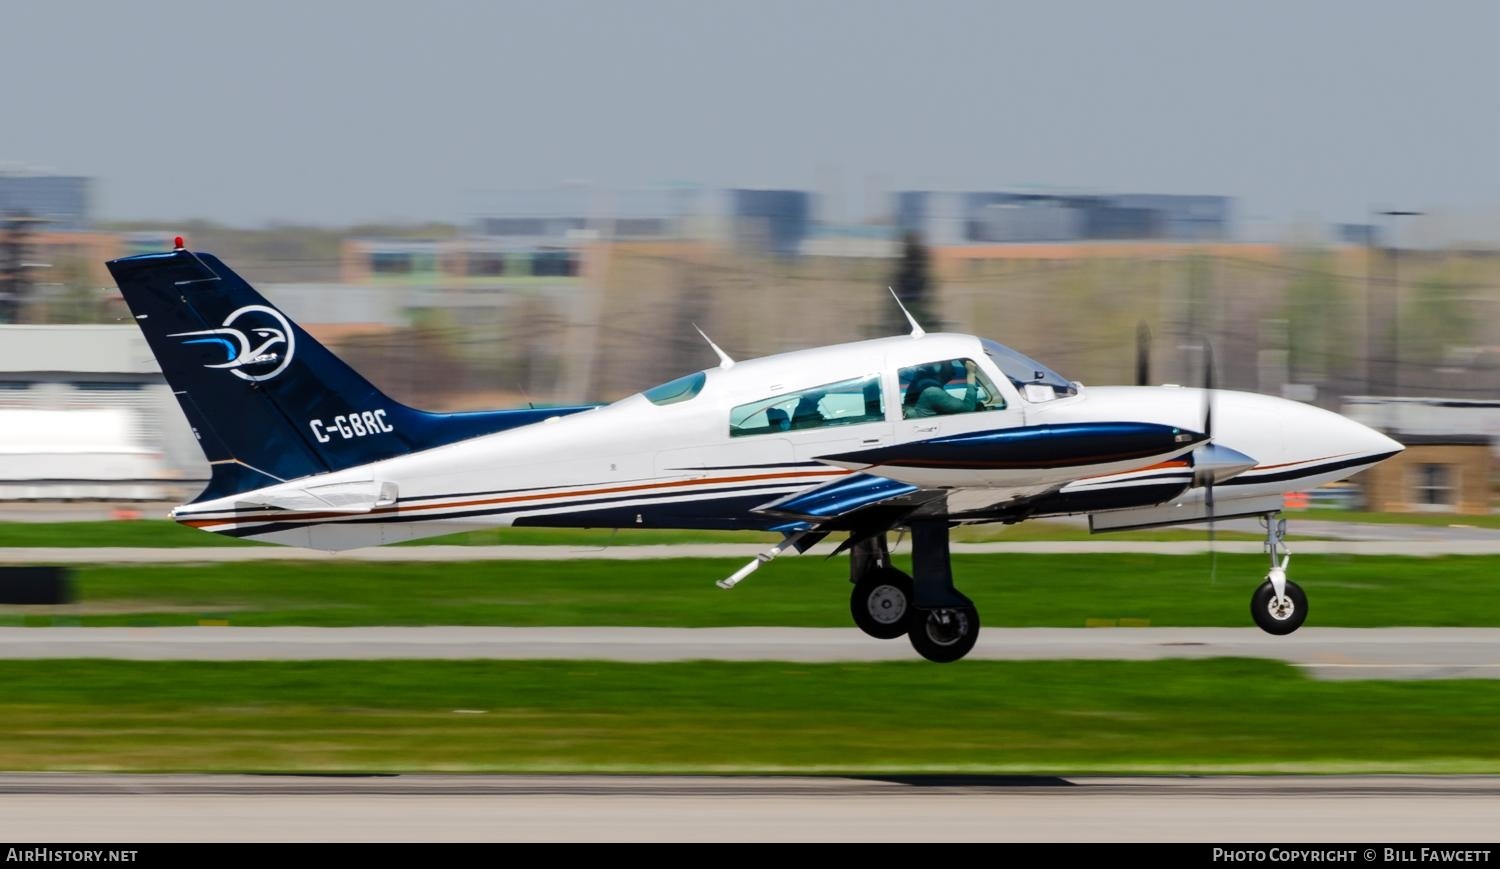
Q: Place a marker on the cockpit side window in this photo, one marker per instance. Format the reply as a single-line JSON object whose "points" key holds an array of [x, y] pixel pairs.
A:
{"points": [[673, 391], [946, 387], [846, 402]]}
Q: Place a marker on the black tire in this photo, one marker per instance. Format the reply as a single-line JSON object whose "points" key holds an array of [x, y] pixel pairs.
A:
{"points": [[944, 635], [1270, 619], [881, 603]]}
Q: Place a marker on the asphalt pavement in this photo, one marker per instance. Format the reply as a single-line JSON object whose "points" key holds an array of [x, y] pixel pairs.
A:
{"points": [[58, 808]]}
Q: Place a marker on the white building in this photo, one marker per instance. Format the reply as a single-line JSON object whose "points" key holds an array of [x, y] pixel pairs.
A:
{"points": [[86, 415]]}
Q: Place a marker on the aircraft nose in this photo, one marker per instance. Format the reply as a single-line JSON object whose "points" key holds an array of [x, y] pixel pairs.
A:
{"points": [[1311, 433], [1370, 440]]}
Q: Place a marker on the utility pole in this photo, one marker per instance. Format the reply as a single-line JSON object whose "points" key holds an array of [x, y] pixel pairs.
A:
{"points": [[1382, 338]]}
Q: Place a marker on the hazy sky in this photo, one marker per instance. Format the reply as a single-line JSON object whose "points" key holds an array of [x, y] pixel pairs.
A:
{"points": [[337, 112]]}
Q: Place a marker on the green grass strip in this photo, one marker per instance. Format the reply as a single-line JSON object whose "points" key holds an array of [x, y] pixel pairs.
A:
{"points": [[1225, 716], [808, 591], [1460, 520]]}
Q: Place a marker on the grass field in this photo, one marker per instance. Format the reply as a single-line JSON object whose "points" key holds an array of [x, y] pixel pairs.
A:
{"points": [[1013, 590], [1219, 716], [1438, 519], [159, 533]]}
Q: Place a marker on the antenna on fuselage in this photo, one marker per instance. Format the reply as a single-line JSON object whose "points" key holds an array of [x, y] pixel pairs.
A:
{"points": [[724, 360], [916, 328]]}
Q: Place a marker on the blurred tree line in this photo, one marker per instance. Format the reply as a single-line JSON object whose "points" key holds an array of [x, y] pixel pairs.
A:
{"points": [[1274, 315]]}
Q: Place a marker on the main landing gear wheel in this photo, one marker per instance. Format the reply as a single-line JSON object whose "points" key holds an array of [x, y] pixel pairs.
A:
{"points": [[881, 603], [944, 635], [1279, 616]]}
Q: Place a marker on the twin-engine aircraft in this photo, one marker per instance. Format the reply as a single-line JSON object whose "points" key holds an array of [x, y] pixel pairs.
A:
{"points": [[919, 432]]}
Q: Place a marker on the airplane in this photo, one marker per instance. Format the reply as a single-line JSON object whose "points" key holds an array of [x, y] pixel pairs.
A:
{"points": [[914, 433]]}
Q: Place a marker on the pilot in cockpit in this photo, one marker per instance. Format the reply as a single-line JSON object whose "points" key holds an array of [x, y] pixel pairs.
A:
{"points": [[928, 396]]}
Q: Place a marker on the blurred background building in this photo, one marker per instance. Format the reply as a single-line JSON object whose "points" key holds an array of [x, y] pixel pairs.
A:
{"points": [[579, 293], [63, 201], [969, 218]]}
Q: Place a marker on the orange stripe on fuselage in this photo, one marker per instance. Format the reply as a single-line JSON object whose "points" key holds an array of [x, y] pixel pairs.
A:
{"points": [[278, 517], [1299, 462], [1159, 466]]}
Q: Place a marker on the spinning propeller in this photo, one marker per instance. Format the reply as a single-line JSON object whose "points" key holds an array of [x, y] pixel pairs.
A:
{"points": [[1208, 476], [1212, 462]]}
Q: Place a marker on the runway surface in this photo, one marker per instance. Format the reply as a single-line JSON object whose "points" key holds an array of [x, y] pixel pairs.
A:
{"points": [[1328, 653], [83, 808], [232, 554]]}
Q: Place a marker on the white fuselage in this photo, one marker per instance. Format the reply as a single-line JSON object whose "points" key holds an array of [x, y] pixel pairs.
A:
{"points": [[638, 463]]}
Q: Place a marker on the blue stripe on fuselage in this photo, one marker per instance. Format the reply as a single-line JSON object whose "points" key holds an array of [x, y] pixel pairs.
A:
{"points": [[1042, 446]]}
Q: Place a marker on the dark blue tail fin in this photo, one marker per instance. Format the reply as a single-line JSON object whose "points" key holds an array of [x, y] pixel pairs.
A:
{"points": [[267, 402]]}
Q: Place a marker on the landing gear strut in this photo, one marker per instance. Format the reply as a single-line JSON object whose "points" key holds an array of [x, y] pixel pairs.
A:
{"points": [[945, 624], [939, 621], [1279, 606]]}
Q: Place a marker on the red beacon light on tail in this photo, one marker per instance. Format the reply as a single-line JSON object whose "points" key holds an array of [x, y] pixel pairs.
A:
{"points": [[177, 243]]}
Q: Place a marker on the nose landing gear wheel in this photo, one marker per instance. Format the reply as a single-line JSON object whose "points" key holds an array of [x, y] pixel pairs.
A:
{"points": [[1279, 617], [881, 603], [944, 635]]}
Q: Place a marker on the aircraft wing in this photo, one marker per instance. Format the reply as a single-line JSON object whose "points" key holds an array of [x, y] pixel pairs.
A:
{"points": [[867, 503]]}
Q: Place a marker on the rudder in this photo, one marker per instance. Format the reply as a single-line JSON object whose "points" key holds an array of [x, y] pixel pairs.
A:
{"points": [[266, 401]]}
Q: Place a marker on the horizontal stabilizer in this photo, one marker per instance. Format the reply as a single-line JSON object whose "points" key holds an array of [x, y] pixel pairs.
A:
{"points": [[359, 496]]}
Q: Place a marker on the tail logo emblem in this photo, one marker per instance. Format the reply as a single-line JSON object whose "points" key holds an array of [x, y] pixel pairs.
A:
{"points": [[248, 356]]}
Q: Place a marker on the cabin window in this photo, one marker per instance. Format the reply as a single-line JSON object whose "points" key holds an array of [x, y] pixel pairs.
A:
{"points": [[673, 391], [847, 402], [942, 388]]}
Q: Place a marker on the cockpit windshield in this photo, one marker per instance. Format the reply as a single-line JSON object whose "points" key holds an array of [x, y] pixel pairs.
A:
{"points": [[1035, 381]]}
